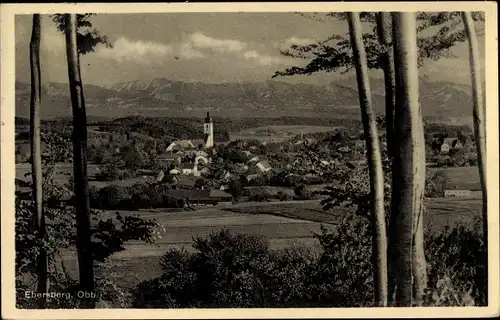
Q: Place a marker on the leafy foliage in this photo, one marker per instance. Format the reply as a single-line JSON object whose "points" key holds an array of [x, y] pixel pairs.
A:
{"points": [[237, 270], [108, 236], [437, 34], [87, 38]]}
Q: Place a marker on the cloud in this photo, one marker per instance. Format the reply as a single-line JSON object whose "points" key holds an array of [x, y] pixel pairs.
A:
{"points": [[138, 51], [201, 41], [287, 43], [194, 46], [188, 51], [264, 59], [299, 41]]}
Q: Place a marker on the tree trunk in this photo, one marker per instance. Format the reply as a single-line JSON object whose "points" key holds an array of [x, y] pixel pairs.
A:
{"points": [[85, 259], [36, 156], [384, 34], [479, 127], [379, 246], [408, 174]]}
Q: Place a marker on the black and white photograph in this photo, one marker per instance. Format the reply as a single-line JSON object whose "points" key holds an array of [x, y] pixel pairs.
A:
{"points": [[309, 156]]}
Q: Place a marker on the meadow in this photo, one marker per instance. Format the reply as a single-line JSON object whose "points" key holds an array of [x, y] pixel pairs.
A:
{"points": [[460, 177], [278, 133], [284, 224]]}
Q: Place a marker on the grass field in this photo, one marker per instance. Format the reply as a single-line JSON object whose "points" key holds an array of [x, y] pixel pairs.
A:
{"points": [[461, 177], [62, 169], [284, 224], [277, 133]]}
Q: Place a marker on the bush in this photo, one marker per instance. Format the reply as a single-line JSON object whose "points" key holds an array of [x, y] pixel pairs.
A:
{"points": [[258, 197], [241, 271], [282, 196], [112, 196], [301, 192], [138, 196], [227, 271], [112, 172], [457, 256]]}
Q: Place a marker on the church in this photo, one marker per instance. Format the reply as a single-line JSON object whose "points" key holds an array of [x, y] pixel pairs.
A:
{"points": [[206, 143], [208, 131]]}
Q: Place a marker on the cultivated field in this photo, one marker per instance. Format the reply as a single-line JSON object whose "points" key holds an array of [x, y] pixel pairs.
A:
{"points": [[277, 133], [284, 224], [461, 177]]}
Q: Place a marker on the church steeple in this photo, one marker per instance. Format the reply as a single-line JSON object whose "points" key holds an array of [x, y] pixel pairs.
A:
{"points": [[208, 130], [208, 119]]}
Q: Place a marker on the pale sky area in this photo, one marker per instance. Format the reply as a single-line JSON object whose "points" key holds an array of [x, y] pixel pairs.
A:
{"points": [[210, 47]]}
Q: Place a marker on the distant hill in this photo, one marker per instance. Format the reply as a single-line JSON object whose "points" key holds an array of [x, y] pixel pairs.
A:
{"points": [[441, 101]]}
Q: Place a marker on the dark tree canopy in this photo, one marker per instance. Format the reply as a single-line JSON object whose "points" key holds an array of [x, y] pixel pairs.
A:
{"points": [[437, 34], [87, 38]]}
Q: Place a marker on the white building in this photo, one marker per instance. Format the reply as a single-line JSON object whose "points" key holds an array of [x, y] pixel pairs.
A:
{"points": [[208, 130], [263, 166]]}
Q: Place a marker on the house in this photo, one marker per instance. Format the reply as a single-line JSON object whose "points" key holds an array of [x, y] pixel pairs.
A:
{"points": [[325, 163], [201, 160], [220, 196], [223, 175], [306, 141], [180, 144], [170, 157], [189, 169], [242, 167], [459, 193], [166, 178], [199, 144], [254, 159], [201, 153], [204, 171], [174, 171], [450, 144], [254, 176], [224, 187], [263, 166], [201, 196]]}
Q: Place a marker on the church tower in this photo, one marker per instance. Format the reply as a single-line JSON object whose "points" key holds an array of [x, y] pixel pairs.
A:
{"points": [[208, 130]]}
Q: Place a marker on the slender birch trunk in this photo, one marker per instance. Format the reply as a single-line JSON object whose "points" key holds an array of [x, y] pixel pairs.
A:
{"points": [[478, 114], [379, 246], [36, 158], [384, 22], [85, 259], [406, 236]]}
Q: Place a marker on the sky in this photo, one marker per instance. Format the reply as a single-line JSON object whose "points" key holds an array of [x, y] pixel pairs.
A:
{"points": [[205, 47]]}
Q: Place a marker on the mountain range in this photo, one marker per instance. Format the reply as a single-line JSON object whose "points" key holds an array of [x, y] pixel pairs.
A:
{"points": [[441, 101]]}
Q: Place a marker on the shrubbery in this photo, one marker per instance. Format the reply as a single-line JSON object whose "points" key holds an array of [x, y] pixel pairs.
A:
{"points": [[138, 196], [237, 270], [112, 172]]}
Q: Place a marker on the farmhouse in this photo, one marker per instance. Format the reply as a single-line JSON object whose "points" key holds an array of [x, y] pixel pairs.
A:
{"points": [[263, 166], [170, 157], [254, 159], [450, 144], [190, 169], [201, 160], [175, 171], [223, 175], [306, 141], [470, 189], [457, 193], [201, 196], [180, 144]]}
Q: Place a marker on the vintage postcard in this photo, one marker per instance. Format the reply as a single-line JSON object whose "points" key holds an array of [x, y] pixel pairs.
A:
{"points": [[249, 160]]}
